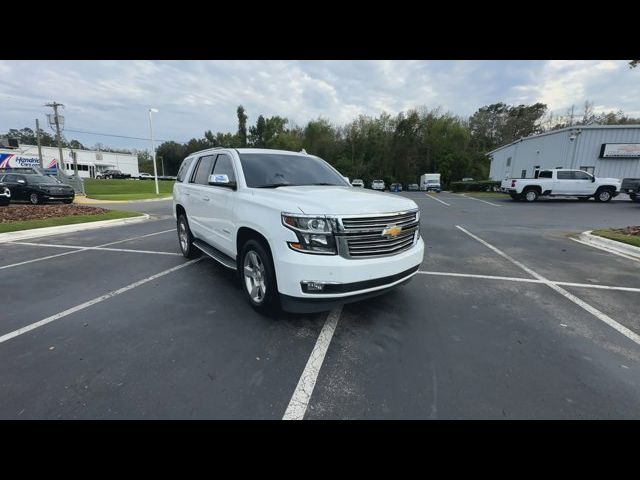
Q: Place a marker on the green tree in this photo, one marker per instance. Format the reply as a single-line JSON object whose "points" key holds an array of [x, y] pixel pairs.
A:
{"points": [[242, 126]]}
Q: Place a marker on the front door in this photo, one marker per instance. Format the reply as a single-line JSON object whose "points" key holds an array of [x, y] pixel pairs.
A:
{"points": [[565, 183], [18, 189], [584, 185]]}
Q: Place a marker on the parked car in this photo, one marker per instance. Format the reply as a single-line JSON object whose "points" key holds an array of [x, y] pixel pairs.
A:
{"points": [[5, 195], [145, 176], [357, 182], [298, 239], [631, 186], [378, 185], [413, 187], [36, 188], [562, 183], [395, 187], [112, 174]]}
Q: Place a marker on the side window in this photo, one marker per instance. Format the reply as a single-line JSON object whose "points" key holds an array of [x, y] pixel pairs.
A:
{"points": [[9, 178], [224, 166], [565, 175], [581, 176], [203, 170], [545, 174], [182, 171]]}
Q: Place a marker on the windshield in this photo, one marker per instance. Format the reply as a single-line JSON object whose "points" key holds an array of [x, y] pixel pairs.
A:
{"points": [[264, 170], [432, 181], [43, 180]]}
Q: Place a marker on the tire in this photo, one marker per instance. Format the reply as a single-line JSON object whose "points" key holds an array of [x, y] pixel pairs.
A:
{"points": [[185, 238], [583, 199], [35, 199], [530, 195], [67, 201], [258, 277], [515, 197], [604, 195], [634, 197]]}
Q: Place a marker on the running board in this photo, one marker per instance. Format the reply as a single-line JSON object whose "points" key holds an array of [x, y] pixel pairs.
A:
{"points": [[216, 254]]}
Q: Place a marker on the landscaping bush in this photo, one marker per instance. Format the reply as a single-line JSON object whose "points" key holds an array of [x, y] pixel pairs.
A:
{"points": [[474, 186]]}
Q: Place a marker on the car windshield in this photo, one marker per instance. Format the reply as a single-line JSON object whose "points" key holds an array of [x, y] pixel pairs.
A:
{"points": [[43, 180], [272, 170]]}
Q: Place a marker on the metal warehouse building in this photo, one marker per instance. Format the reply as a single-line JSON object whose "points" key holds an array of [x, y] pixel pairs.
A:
{"points": [[604, 150]]}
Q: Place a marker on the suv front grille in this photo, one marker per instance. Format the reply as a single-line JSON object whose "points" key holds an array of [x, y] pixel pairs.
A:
{"points": [[362, 237]]}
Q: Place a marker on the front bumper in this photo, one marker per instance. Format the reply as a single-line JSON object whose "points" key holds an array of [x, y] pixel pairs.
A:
{"points": [[344, 278], [57, 196]]}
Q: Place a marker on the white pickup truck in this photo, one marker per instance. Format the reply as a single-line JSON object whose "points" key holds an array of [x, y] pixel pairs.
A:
{"points": [[299, 236], [560, 182]]}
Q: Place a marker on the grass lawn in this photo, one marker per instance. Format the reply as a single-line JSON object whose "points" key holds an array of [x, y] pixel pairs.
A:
{"points": [[618, 235], [68, 220], [486, 194], [127, 189]]}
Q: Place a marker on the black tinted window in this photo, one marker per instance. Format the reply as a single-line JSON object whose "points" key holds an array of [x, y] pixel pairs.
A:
{"points": [[224, 166], [9, 178], [565, 175], [204, 170], [182, 171], [581, 176], [545, 174], [271, 169]]}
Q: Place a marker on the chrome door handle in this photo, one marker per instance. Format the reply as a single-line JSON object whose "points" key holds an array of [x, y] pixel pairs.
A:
{"points": [[187, 194], [206, 199]]}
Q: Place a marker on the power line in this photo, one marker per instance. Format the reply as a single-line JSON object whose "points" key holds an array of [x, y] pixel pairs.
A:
{"points": [[114, 135]]}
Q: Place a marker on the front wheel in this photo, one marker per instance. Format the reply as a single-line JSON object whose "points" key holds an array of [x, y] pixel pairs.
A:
{"points": [[604, 195], [258, 277], [634, 197], [34, 198]]}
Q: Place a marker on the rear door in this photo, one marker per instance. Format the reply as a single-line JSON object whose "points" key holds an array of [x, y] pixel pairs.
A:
{"points": [[197, 191], [565, 183]]}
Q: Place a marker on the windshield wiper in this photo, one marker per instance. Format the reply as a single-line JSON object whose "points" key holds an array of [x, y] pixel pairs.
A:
{"points": [[324, 183], [276, 185]]}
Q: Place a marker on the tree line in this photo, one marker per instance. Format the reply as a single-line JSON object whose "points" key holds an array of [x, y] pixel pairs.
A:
{"points": [[395, 148]]}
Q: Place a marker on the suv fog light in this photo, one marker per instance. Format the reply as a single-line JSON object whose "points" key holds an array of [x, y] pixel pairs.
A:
{"points": [[312, 286]]}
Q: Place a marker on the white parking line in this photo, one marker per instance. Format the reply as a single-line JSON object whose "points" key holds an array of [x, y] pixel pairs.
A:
{"points": [[483, 201], [80, 249], [302, 394], [581, 303], [96, 300], [108, 249], [436, 199], [530, 280]]}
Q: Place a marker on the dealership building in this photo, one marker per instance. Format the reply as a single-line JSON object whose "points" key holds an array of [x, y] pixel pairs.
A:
{"points": [[603, 150], [90, 162]]}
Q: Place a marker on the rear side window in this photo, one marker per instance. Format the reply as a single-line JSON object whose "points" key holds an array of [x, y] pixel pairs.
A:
{"points": [[545, 174], [182, 171], [204, 170], [565, 175]]}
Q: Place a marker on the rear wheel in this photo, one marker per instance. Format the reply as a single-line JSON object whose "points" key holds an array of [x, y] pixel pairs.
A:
{"points": [[604, 195], [258, 277], [185, 238], [34, 198], [530, 195], [634, 197]]}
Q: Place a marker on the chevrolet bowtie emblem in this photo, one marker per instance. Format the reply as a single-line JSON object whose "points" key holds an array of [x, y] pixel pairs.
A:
{"points": [[391, 231]]}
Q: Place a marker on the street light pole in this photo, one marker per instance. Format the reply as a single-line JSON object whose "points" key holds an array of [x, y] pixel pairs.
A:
{"points": [[153, 149]]}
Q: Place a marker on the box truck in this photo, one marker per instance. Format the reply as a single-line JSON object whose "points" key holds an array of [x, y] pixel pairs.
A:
{"points": [[430, 182]]}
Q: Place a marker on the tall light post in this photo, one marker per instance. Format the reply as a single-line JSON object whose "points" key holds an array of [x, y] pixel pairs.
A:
{"points": [[153, 148]]}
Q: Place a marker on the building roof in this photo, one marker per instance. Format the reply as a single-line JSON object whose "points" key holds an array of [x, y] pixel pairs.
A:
{"points": [[565, 129]]}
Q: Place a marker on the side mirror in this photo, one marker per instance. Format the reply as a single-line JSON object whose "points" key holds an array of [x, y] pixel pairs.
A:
{"points": [[593, 179], [222, 180]]}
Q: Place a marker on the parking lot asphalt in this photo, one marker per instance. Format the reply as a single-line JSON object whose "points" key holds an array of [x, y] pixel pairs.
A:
{"points": [[508, 318]]}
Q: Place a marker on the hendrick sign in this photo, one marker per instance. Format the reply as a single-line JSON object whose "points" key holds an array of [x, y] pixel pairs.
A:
{"points": [[620, 150]]}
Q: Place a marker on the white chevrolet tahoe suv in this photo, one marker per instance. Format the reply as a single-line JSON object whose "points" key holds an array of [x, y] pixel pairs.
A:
{"points": [[299, 236], [560, 182]]}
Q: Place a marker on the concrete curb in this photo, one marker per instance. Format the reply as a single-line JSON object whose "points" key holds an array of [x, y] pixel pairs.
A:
{"points": [[59, 230], [612, 246], [92, 201]]}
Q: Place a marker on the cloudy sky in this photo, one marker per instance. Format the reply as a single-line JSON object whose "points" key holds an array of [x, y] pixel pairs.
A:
{"points": [[113, 97]]}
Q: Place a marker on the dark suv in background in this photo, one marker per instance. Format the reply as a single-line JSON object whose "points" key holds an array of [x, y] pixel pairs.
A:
{"points": [[631, 186], [36, 188], [112, 174]]}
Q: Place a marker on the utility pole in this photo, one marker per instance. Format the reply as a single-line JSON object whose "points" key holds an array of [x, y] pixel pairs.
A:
{"points": [[56, 118], [153, 149], [39, 144]]}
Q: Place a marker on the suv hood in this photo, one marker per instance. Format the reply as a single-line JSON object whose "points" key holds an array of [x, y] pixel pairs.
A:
{"points": [[330, 200]]}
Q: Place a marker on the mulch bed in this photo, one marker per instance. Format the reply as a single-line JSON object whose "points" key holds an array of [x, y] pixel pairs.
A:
{"points": [[17, 213], [634, 231]]}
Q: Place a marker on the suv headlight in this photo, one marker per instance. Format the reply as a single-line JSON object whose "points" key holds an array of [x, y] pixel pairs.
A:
{"points": [[315, 234]]}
